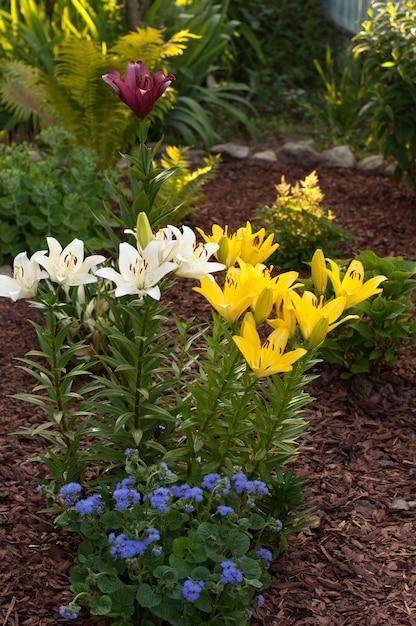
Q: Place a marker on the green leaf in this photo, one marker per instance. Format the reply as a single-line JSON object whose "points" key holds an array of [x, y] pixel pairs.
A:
{"points": [[147, 598]]}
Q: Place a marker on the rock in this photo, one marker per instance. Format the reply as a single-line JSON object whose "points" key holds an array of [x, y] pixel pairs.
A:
{"points": [[339, 156], [389, 170], [372, 165], [233, 150], [399, 505], [300, 154], [33, 155], [266, 155]]}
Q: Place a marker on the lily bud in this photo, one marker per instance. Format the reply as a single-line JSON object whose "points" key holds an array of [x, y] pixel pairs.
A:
{"points": [[222, 251], [319, 274], [263, 305], [143, 230], [319, 333]]}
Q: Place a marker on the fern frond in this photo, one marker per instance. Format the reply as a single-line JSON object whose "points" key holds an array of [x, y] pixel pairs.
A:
{"points": [[87, 108], [22, 92], [178, 43], [183, 189], [145, 44]]}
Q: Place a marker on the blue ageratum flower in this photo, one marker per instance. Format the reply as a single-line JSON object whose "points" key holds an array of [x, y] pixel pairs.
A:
{"points": [[213, 481], [192, 590], [159, 499], [122, 547], [266, 555], [89, 505], [166, 472], [253, 487], [152, 535], [69, 493], [224, 510], [67, 612], [124, 497], [187, 493], [230, 573]]}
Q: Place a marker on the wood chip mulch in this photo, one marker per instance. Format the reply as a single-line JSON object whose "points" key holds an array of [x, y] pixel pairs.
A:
{"points": [[356, 565]]}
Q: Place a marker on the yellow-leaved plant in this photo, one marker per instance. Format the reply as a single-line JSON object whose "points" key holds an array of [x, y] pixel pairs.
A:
{"points": [[301, 223]]}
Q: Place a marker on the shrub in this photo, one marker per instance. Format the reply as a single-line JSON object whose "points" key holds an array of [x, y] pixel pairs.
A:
{"points": [[385, 330], [387, 43], [56, 190], [301, 223]]}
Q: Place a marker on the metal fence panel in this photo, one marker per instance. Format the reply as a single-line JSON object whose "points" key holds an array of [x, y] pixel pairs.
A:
{"points": [[347, 14]]}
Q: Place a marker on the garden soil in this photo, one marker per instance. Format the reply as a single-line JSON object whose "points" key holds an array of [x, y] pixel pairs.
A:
{"points": [[356, 564]]}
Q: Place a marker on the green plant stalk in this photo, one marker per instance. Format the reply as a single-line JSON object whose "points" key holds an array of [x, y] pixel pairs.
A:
{"points": [[292, 382], [139, 373], [232, 425]]}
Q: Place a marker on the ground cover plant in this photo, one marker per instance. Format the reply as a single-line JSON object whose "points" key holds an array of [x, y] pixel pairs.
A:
{"points": [[194, 411]]}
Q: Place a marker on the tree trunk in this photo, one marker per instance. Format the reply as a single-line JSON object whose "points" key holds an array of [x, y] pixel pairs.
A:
{"points": [[135, 9]]}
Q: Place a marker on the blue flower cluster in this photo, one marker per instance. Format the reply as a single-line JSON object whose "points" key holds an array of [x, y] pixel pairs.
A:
{"points": [[191, 590], [67, 612], [230, 573], [224, 510], [253, 487], [215, 481], [266, 555], [89, 505], [70, 492], [122, 547]]}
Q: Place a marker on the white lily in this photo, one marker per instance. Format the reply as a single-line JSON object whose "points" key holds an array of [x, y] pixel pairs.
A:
{"points": [[23, 283], [139, 274], [68, 266], [191, 256]]}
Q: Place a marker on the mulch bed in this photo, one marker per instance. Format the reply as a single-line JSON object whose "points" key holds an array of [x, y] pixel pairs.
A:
{"points": [[356, 564]]}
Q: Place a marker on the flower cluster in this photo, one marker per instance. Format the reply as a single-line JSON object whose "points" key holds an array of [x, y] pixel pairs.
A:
{"points": [[153, 524]]}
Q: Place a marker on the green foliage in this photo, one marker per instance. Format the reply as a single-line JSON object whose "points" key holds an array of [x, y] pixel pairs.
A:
{"points": [[54, 190], [344, 96], [140, 552], [203, 69], [301, 223], [182, 190], [387, 43], [386, 328], [281, 29]]}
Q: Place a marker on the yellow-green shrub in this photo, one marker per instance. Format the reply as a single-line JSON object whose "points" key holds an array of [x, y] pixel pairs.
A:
{"points": [[301, 223]]}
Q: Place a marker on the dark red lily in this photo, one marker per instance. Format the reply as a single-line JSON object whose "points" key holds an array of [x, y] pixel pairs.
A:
{"points": [[140, 90]]}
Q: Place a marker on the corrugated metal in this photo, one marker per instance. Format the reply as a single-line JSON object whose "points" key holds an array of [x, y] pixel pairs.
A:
{"points": [[347, 13]]}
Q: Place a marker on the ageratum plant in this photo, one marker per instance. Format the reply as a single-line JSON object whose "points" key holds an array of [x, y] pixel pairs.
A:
{"points": [[157, 550], [209, 414]]}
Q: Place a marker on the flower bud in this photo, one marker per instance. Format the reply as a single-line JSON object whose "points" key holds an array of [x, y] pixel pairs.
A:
{"points": [[319, 333], [263, 305], [318, 269], [143, 230]]}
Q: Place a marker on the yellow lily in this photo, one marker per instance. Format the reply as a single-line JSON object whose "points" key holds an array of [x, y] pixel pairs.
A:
{"points": [[352, 285], [254, 247], [250, 247], [285, 312], [315, 318], [268, 358], [233, 299]]}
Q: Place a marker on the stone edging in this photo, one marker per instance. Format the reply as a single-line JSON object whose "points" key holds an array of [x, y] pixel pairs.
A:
{"points": [[307, 157]]}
